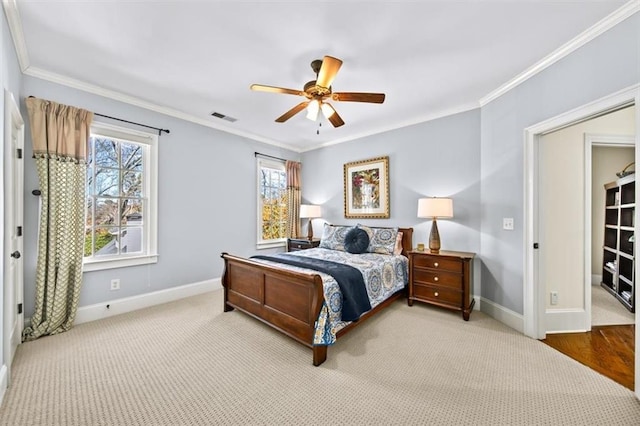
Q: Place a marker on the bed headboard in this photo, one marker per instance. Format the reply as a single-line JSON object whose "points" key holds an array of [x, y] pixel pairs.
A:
{"points": [[407, 240]]}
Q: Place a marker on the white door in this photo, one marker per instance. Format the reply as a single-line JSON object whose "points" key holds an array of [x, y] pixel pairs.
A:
{"points": [[14, 184]]}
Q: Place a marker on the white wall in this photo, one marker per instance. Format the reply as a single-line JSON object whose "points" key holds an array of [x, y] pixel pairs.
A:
{"points": [[562, 205]]}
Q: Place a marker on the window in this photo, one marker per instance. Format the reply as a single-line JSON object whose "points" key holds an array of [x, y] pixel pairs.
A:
{"points": [[121, 209], [272, 203]]}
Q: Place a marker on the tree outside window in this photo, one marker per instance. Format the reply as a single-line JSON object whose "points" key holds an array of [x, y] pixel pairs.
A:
{"points": [[272, 201], [115, 203]]}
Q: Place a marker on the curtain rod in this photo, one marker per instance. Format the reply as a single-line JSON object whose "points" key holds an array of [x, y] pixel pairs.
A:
{"points": [[255, 154], [133, 122], [130, 122]]}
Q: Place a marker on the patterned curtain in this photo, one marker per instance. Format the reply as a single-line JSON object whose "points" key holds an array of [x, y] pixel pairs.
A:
{"points": [[294, 198], [60, 136]]}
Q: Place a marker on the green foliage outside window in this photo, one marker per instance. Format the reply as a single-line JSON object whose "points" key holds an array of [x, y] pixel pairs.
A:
{"points": [[273, 199], [274, 217]]}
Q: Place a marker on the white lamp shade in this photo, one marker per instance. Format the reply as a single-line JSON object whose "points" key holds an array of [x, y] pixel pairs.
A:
{"points": [[435, 207], [309, 211], [312, 110]]}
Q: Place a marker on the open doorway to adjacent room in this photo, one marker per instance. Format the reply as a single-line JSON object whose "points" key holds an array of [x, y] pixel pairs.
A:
{"points": [[586, 217]]}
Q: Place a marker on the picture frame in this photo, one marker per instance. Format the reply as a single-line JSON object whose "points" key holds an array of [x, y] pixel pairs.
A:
{"points": [[366, 189]]}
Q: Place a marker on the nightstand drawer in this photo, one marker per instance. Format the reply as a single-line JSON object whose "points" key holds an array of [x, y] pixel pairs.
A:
{"points": [[299, 246], [438, 294], [438, 262], [439, 278]]}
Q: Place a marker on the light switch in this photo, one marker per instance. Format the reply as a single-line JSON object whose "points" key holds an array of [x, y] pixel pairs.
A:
{"points": [[507, 223]]}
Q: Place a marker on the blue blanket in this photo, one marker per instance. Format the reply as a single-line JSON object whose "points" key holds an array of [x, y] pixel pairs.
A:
{"points": [[355, 300]]}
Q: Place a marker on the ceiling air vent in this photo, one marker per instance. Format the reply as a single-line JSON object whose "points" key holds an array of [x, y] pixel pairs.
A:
{"points": [[223, 117]]}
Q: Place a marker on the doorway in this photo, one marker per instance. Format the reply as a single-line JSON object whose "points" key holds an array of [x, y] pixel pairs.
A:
{"points": [[539, 318], [608, 344], [612, 156]]}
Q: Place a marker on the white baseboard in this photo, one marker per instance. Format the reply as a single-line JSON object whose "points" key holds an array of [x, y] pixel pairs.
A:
{"points": [[565, 320], [128, 304], [3, 382], [596, 279], [478, 304], [502, 314]]}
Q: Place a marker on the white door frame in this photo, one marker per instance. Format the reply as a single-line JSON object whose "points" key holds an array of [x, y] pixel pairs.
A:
{"points": [[13, 319], [534, 294]]}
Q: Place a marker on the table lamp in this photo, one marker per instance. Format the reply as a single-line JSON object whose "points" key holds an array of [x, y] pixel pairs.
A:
{"points": [[435, 208], [309, 211]]}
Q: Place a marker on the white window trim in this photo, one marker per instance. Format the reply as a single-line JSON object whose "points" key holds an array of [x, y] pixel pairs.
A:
{"points": [[265, 244], [151, 188]]}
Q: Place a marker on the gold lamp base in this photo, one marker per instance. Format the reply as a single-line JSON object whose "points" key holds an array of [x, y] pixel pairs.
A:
{"points": [[434, 238]]}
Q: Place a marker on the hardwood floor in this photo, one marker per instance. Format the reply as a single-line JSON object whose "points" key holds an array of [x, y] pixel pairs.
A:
{"points": [[608, 349]]}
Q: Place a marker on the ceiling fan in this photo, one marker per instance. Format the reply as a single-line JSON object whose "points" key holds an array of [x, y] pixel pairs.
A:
{"points": [[318, 91]]}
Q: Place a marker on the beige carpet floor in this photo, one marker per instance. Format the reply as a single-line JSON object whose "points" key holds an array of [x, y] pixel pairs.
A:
{"points": [[606, 310], [187, 363]]}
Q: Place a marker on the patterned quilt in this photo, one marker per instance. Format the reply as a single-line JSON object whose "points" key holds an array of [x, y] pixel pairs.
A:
{"points": [[383, 276]]}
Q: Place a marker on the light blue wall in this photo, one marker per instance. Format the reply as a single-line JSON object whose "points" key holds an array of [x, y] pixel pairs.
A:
{"points": [[605, 65], [436, 158], [206, 200]]}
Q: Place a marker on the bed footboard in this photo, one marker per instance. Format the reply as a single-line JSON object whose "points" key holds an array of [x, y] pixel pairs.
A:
{"points": [[288, 301]]}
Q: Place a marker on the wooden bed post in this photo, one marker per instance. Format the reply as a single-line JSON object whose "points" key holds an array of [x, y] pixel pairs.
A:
{"points": [[227, 307], [319, 354]]}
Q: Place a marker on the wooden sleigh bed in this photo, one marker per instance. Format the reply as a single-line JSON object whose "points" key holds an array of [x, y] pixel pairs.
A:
{"points": [[287, 300]]}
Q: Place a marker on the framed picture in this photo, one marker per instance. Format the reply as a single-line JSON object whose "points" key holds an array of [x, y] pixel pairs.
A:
{"points": [[366, 188]]}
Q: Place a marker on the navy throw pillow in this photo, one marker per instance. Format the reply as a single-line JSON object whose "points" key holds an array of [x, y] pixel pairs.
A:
{"points": [[356, 241]]}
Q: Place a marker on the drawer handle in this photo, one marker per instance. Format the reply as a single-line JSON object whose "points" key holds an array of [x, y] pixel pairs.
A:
{"points": [[435, 278], [435, 294], [435, 265]]}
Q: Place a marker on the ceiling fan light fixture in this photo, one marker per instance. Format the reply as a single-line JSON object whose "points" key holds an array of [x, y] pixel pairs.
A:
{"points": [[327, 110], [316, 91], [312, 110]]}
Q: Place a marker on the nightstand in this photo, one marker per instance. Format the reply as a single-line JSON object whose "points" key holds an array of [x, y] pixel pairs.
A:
{"points": [[295, 244], [443, 279]]}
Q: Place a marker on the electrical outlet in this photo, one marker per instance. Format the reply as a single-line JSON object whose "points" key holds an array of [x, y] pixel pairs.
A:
{"points": [[115, 284], [507, 223], [554, 297]]}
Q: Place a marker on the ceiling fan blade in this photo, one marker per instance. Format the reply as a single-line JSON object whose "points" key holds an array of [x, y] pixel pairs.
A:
{"points": [[293, 111], [331, 114], [273, 89], [374, 98], [328, 71]]}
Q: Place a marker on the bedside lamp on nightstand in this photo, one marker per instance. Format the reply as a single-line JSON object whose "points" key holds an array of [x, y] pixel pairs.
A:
{"points": [[309, 211], [435, 208]]}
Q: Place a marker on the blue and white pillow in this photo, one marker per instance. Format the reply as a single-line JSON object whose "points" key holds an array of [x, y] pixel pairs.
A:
{"points": [[381, 240], [333, 237]]}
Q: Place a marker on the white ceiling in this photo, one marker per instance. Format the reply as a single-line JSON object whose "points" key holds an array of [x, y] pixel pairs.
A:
{"points": [[191, 58]]}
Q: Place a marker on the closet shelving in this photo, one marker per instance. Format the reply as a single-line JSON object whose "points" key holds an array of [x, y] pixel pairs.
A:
{"points": [[618, 260]]}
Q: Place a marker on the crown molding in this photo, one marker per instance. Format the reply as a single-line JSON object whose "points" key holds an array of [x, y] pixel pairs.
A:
{"points": [[15, 28], [131, 100], [596, 30]]}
